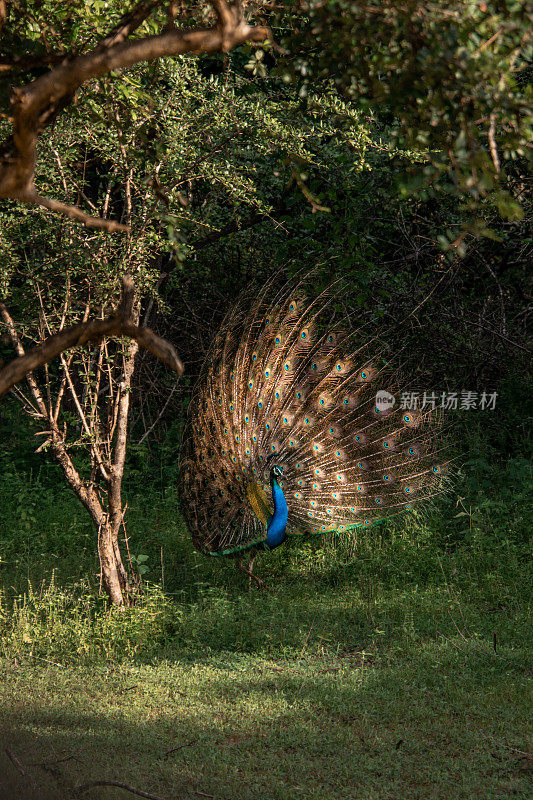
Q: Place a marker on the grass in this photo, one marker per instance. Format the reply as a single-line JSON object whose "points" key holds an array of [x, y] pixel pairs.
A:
{"points": [[389, 666], [352, 688]]}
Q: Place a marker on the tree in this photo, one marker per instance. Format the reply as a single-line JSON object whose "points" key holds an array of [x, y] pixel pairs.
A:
{"points": [[38, 104], [452, 80], [171, 151]]}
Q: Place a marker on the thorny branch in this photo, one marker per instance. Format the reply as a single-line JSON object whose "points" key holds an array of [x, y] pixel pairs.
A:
{"points": [[38, 104]]}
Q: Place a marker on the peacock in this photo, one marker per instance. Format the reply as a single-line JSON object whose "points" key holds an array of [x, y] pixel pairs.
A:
{"points": [[295, 429]]}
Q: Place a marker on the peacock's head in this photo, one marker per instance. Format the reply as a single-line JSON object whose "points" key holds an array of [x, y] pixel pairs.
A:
{"points": [[276, 471]]}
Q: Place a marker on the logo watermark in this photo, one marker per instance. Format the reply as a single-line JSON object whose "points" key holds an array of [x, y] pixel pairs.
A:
{"points": [[429, 401], [384, 400]]}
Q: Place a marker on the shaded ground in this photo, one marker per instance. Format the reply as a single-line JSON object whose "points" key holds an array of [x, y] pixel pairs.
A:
{"points": [[424, 710]]}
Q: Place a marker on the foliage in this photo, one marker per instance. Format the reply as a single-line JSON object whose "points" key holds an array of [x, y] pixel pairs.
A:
{"points": [[451, 79]]}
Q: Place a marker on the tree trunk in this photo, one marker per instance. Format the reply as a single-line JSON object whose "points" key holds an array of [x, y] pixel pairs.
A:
{"points": [[114, 578]]}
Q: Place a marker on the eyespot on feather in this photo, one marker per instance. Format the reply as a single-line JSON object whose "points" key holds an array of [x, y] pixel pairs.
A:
{"points": [[324, 401], [335, 431], [411, 419], [348, 402], [318, 365]]}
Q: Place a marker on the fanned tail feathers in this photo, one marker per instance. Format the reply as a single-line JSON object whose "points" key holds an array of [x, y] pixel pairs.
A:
{"points": [[279, 382]]}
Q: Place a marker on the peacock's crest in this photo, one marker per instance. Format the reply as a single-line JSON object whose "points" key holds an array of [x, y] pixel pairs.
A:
{"points": [[280, 386]]}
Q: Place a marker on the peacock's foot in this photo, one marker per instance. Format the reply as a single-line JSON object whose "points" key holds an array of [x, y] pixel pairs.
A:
{"points": [[247, 569]]}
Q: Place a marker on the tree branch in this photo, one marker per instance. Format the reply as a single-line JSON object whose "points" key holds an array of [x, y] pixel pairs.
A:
{"points": [[38, 104], [118, 324]]}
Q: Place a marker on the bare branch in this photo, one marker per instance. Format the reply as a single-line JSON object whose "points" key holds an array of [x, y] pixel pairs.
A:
{"points": [[116, 325], [491, 135], [120, 785]]}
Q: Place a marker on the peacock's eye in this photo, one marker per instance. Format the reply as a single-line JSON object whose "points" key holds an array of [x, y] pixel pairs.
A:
{"points": [[254, 438], [407, 418], [346, 401], [250, 384], [292, 307], [291, 443], [359, 488], [407, 506], [436, 469], [267, 373], [277, 395], [254, 356], [411, 451], [231, 376], [367, 522], [331, 338], [267, 425], [338, 453], [386, 445], [364, 375], [329, 511], [309, 513], [338, 367], [231, 407], [303, 334], [273, 448], [307, 420], [314, 365], [247, 418], [247, 451], [267, 321], [299, 395], [260, 404], [287, 366], [377, 410], [408, 489], [278, 340], [313, 503], [225, 431], [360, 465], [285, 421], [357, 438], [237, 438], [322, 401], [386, 477], [378, 500]]}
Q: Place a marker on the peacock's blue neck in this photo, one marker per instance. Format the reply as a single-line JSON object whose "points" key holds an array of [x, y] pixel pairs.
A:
{"points": [[277, 524]]}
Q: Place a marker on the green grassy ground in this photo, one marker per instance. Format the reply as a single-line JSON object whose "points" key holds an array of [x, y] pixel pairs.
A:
{"points": [[354, 683], [393, 666]]}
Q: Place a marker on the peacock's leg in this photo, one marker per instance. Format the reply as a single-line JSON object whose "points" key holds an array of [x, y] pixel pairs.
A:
{"points": [[248, 570]]}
